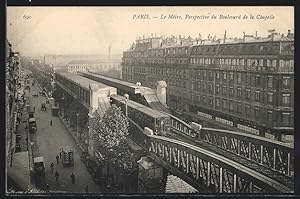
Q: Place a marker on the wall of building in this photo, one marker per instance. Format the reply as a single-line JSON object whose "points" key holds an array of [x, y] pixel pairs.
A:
{"points": [[246, 85]]}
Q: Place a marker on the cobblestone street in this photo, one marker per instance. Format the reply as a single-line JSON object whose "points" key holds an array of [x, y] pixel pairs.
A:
{"points": [[50, 139]]}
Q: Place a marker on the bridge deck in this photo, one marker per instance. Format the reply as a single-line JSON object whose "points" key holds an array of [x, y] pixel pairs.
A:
{"points": [[281, 178], [82, 81], [114, 82]]}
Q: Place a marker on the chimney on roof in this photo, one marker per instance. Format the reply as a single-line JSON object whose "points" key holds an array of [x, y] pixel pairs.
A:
{"points": [[256, 34]]}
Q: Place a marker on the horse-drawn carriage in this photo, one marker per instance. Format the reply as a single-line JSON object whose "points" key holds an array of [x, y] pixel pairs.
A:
{"points": [[43, 107]]}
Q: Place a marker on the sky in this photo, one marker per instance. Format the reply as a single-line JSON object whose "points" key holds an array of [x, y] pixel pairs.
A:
{"points": [[90, 30]]}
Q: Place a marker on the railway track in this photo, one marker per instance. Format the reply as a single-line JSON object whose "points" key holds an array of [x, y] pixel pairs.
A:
{"points": [[277, 176]]}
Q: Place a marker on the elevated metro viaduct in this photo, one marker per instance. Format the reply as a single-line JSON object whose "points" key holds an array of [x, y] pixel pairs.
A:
{"points": [[239, 179], [90, 94], [140, 94]]}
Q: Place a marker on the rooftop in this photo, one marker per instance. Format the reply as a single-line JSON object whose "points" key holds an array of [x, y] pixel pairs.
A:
{"points": [[113, 80], [179, 41], [85, 82], [94, 61]]}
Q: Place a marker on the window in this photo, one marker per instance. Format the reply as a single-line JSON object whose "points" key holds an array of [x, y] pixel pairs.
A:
{"points": [[270, 82], [270, 116], [210, 88], [274, 63], [256, 113], [292, 63], [224, 90], [230, 105], [199, 98], [204, 74], [268, 63], [286, 98], [286, 118], [261, 62], [248, 80], [239, 92], [234, 62], [210, 75], [204, 99], [242, 62], [247, 93], [239, 78], [257, 80], [217, 89], [231, 91], [270, 98], [239, 108], [286, 81], [217, 102], [247, 110], [248, 62], [257, 96], [224, 104], [204, 87], [210, 101], [224, 75], [231, 76], [218, 75]]}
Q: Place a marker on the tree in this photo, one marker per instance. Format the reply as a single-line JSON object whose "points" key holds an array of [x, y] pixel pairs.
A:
{"points": [[110, 133]]}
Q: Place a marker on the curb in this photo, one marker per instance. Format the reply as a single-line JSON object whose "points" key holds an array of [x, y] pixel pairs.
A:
{"points": [[77, 142]]}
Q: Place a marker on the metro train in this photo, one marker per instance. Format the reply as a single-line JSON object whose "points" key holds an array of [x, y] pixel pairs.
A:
{"points": [[144, 116]]}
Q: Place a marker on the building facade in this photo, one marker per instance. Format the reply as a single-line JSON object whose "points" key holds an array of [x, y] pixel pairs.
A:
{"points": [[12, 107], [245, 84], [93, 65]]}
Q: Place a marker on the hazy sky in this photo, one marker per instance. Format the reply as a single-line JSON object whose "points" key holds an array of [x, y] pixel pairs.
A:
{"points": [[90, 30]]}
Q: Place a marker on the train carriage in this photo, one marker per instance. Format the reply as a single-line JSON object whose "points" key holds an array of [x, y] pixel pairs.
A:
{"points": [[143, 115]]}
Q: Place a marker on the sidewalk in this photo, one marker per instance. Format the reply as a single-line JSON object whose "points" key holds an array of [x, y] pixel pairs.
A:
{"points": [[73, 133], [22, 160]]}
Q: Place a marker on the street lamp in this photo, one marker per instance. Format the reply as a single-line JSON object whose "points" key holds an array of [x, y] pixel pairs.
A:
{"points": [[126, 96], [77, 124]]}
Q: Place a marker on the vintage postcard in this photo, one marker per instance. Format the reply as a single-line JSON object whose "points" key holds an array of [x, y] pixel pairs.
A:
{"points": [[160, 99]]}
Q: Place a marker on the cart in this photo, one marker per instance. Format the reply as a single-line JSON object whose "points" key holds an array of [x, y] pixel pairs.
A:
{"points": [[67, 157], [43, 107], [38, 166]]}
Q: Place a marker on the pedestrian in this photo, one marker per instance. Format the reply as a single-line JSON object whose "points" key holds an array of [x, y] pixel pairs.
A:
{"points": [[47, 188], [87, 189], [52, 167], [56, 176], [57, 159], [60, 154], [34, 109], [73, 178], [50, 122]]}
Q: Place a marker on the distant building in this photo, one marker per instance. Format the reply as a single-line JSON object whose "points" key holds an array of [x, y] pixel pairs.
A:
{"points": [[61, 61], [245, 84], [104, 67]]}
